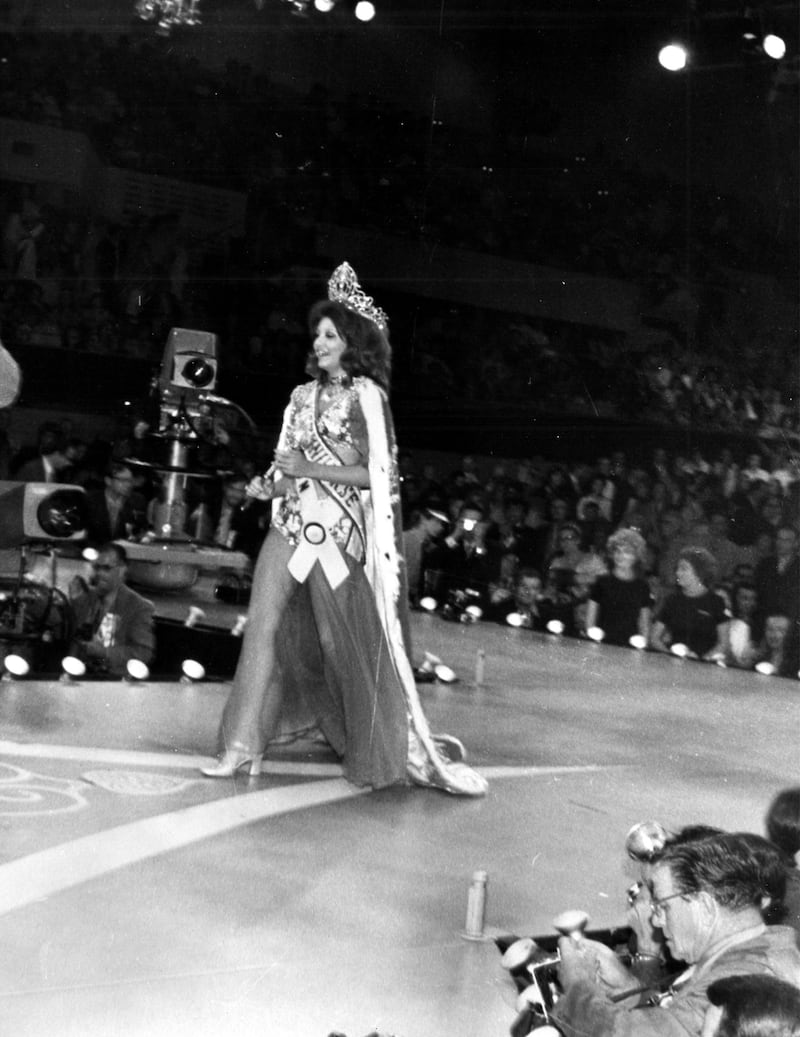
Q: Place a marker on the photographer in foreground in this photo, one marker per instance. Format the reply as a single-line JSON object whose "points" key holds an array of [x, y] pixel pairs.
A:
{"points": [[706, 898]]}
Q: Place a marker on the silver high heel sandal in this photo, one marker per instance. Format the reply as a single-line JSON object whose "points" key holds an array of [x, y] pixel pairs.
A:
{"points": [[234, 760]]}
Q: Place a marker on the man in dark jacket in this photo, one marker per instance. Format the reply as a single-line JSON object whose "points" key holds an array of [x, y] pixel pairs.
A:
{"points": [[113, 623]]}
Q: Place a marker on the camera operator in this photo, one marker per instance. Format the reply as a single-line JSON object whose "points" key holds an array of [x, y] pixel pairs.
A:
{"points": [[422, 547], [466, 562], [706, 896]]}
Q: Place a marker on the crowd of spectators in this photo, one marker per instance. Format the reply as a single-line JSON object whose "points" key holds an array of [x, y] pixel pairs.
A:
{"points": [[678, 553], [684, 554], [74, 281]]}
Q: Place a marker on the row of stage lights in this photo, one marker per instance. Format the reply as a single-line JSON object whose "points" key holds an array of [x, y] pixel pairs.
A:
{"points": [[520, 621], [173, 14], [16, 667], [755, 38]]}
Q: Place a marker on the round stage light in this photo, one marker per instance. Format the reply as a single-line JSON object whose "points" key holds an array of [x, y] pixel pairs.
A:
{"points": [[324, 5], [137, 670], [774, 47], [765, 669], [679, 650], [90, 554], [638, 642], [475, 612], [555, 626], [428, 604], [515, 619], [445, 674], [595, 633], [193, 670], [673, 57], [72, 667], [16, 666]]}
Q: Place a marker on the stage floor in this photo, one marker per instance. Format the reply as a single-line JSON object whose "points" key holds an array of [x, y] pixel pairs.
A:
{"points": [[139, 898]]}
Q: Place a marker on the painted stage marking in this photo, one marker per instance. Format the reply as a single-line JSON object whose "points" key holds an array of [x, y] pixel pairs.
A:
{"points": [[41, 875], [295, 768], [48, 872]]}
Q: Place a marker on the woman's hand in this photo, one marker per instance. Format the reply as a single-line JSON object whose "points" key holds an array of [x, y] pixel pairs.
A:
{"points": [[294, 463], [260, 487]]}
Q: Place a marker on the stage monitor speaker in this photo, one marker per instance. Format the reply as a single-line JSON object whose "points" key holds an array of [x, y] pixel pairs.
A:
{"points": [[50, 512], [190, 360]]}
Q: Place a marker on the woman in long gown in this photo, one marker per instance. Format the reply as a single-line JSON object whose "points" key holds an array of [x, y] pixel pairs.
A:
{"points": [[327, 632]]}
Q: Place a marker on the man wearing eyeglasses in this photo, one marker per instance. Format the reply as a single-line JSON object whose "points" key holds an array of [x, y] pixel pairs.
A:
{"points": [[706, 898], [113, 623]]}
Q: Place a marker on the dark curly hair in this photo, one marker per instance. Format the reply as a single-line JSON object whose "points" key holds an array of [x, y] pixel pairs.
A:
{"points": [[783, 821], [703, 563], [368, 351]]}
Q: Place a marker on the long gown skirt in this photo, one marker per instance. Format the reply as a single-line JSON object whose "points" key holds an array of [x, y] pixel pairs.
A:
{"points": [[331, 666]]}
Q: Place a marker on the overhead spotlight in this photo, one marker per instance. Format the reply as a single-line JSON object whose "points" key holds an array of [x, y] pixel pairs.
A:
{"points": [[673, 57], [137, 670], [364, 10], [773, 46], [324, 5], [15, 667]]}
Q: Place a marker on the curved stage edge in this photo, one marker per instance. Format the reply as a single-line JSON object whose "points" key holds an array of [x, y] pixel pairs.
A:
{"points": [[139, 898]]}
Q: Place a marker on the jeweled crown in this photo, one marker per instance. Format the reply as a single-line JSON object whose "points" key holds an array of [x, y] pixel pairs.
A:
{"points": [[343, 287]]}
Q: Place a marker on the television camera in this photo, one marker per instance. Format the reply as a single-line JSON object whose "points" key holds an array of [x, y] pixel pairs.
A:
{"points": [[35, 617]]}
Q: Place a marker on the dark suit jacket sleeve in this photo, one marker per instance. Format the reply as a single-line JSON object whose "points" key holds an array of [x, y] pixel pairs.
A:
{"points": [[135, 635]]}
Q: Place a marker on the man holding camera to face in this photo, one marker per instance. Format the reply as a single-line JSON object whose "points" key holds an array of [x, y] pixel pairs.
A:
{"points": [[706, 897], [467, 564]]}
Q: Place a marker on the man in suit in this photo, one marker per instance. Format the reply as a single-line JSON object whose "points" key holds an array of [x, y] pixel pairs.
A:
{"points": [[115, 512], [113, 623], [45, 461], [778, 576]]}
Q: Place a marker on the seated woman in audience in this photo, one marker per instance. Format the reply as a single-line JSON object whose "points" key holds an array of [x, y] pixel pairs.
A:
{"points": [[693, 615], [620, 602], [568, 553]]}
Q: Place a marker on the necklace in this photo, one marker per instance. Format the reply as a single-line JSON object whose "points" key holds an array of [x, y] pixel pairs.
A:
{"points": [[337, 379]]}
